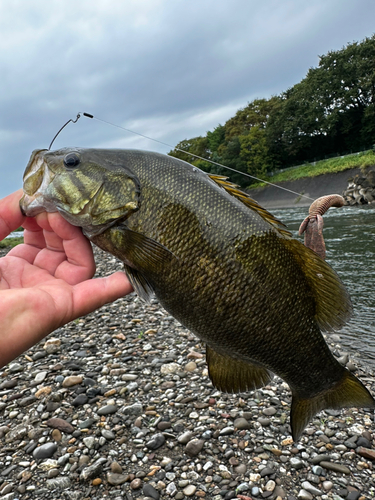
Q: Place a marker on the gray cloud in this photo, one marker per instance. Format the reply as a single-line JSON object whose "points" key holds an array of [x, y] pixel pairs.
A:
{"points": [[168, 69]]}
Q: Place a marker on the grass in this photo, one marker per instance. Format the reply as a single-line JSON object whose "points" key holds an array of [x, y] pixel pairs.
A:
{"points": [[11, 242], [333, 165]]}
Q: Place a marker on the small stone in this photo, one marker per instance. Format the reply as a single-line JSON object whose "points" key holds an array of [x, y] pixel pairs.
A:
{"points": [[156, 442], [366, 452], [80, 400], [194, 446], [117, 479], [310, 488], [135, 409], [305, 495], [93, 470], [169, 368], [39, 377], [56, 435], [335, 467], [44, 451], [270, 485], [72, 380], [327, 485], [96, 481], [59, 483], [296, 463], [150, 491], [43, 392], [190, 367], [52, 345], [136, 483], [241, 423], [89, 442], [107, 410], [116, 468], [61, 424], [185, 437], [190, 490], [108, 434]]}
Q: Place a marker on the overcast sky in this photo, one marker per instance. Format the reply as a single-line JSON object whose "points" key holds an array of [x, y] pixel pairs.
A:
{"points": [[169, 69]]}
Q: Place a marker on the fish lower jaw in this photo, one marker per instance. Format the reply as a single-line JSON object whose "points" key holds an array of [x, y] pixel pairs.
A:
{"points": [[32, 205]]}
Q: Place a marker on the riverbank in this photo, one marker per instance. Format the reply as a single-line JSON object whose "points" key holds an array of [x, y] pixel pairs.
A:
{"points": [[120, 406], [311, 187]]}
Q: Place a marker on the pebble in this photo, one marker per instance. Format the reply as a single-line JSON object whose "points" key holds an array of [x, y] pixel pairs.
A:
{"points": [[194, 446], [46, 450], [107, 410], [72, 380]]}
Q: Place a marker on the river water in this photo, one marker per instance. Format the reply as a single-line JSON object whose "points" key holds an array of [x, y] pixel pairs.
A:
{"points": [[349, 234]]}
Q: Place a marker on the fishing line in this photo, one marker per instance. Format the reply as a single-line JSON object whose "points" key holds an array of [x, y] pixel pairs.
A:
{"points": [[88, 115]]}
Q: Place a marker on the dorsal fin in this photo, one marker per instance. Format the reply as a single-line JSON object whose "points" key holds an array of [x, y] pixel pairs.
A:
{"points": [[233, 190]]}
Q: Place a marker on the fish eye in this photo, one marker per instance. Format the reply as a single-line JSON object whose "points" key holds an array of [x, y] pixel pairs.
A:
{"points": [[71, 160]]}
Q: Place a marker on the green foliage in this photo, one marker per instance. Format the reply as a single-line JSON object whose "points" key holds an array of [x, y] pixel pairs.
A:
{"points": [[333, 165], [330, 112], [11, 242]]}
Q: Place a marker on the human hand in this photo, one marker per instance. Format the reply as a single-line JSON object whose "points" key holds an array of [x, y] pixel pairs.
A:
{"points": [[46, 282]]}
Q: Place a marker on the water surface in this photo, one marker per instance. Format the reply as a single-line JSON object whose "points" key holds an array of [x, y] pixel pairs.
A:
{"points": [[349, 234]]}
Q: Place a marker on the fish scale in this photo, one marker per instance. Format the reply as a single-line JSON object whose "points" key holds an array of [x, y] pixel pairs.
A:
{"points": [[217, 261]]}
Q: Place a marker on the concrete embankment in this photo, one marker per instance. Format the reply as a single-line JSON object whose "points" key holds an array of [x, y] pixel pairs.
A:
{"points": [[312, 187]]}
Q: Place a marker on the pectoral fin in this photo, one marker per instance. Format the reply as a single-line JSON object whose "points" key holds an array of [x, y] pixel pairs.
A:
{"points": [[232, 375], [142, 252]]}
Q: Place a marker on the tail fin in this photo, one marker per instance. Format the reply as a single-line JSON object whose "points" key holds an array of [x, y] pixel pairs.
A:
{"points": [[348, 392]]}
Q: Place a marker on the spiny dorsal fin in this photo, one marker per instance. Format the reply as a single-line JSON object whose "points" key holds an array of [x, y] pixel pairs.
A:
{"points": [[233, 190]]}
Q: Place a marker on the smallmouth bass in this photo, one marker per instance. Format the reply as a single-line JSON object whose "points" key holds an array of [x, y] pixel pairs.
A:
{"points": [[217, 261]]}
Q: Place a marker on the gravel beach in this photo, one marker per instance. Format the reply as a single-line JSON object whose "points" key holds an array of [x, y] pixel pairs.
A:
{"points": [[119, 405]]}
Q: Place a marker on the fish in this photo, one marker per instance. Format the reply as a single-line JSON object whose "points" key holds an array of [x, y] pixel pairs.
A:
{"points": [[217, 261]]}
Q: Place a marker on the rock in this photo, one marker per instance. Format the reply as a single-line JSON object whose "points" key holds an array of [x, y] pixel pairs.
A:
{"points": [[305, 495], [366, 453], [241, 423], [335, 467], [185, 437], [194, 446], [60, 483], [39, 377], [52, 345], [93, 470], [135, 409], [80, 400], [170, 368], [72, 380], [136, 484], [116, 468], [46, 450], [151, 492], [190, 490], [107, 410], [89, 442], [190, 367], [108, 434], [117, 479], [61, 424], [17, 433], [156, 442]]}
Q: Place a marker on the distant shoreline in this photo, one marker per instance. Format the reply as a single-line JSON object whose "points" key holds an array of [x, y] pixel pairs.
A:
{"points": [[271, 197]]}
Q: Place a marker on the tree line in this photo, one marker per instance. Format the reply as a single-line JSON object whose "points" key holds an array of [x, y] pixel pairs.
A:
{"points": [[330, 112]]}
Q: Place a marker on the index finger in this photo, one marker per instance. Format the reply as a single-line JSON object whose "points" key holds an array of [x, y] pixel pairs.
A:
{"points": [[10, 213]]}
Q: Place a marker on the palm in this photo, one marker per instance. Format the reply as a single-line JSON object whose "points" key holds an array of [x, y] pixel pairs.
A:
{"points": [[45, 282]]}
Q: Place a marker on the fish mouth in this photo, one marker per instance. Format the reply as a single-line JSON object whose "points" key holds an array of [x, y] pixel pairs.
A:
{"points": [[32, 205]]}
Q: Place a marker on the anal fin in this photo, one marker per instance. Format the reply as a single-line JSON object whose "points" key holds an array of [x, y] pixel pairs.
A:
{"points": [[232, 375], [140, 284]]}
